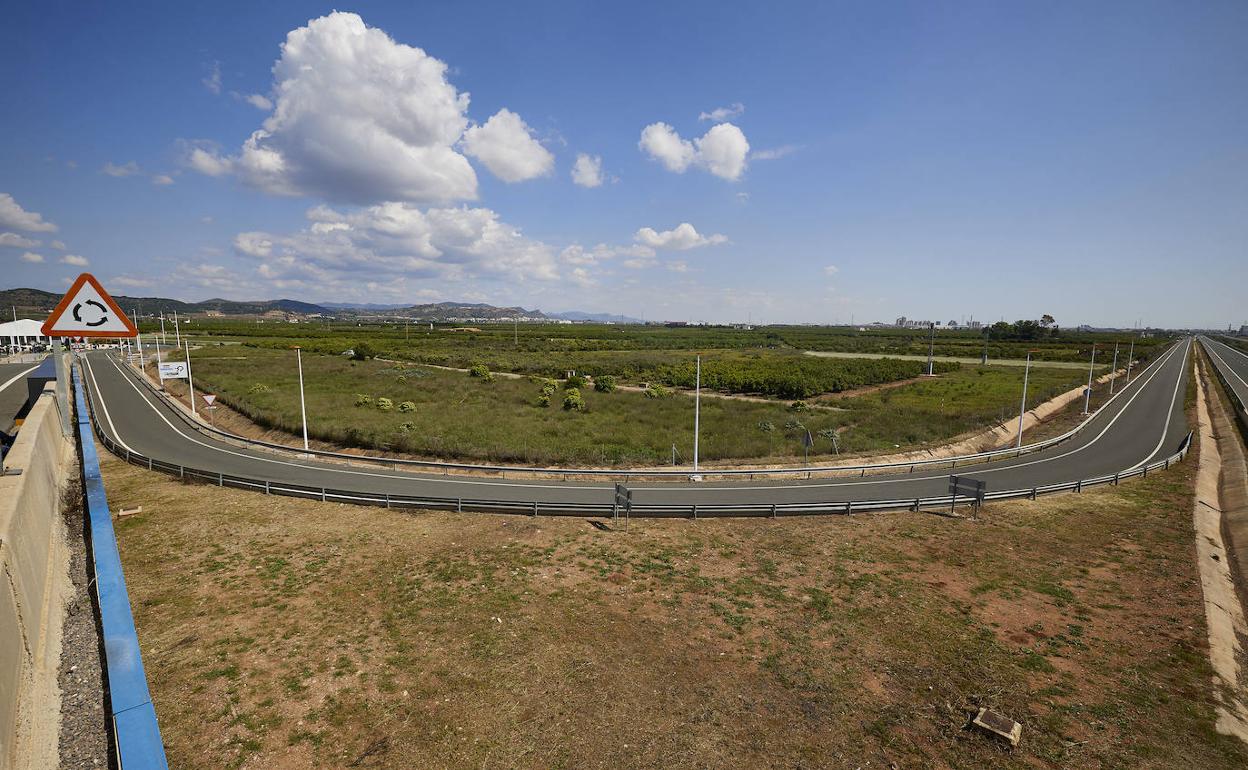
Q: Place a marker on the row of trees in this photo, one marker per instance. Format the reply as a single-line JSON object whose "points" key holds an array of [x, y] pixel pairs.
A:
{"points": [[1022, 330], [793, 376]]}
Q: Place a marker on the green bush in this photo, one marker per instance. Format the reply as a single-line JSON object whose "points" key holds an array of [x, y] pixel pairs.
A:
{"points": [[480, 370], [572, 400], [259, 387], [362, 399], [657, 391], [407, 406], [362, 351], [407, 427], [800, 406], [605, 384], [827, 434], [385, 404], [575, 382], [793, 425], [543, 400], [766, 426]]}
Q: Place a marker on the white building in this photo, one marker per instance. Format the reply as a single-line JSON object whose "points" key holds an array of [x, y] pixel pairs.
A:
{"points": [[22, 333]]}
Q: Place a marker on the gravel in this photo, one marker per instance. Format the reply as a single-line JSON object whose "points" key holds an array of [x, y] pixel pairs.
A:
{"points": [[85, 740]]}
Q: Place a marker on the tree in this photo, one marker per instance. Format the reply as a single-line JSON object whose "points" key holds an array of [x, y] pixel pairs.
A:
{"points": [[572, 400], [363, 351], [605, 384], [1047, 320]]}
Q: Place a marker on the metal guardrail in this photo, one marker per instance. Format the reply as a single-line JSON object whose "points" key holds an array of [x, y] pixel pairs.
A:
{"points": [[394, 463], [136, 733], [607, 507]]}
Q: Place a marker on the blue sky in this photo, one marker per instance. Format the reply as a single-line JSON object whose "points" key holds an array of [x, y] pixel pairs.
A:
{"points": [[786, 162]]}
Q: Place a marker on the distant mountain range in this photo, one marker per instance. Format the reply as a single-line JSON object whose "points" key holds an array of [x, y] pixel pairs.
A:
{"points": [[39, 302]]}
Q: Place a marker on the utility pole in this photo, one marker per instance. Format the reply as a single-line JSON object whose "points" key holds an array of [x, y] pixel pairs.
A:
{"points": [[1022, 409], [931, 348], [177, 331], [190, 380], [303, 409], [515, 330], [1130, 360], [162, 328], [697, 411], [1113, 370], [1087, 394]]}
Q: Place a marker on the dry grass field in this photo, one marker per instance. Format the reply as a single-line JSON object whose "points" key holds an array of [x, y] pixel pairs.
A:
{"points": [[280, 633]]}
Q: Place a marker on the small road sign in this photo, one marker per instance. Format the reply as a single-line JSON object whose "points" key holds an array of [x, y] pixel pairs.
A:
{"points": [[960, 486], [210, 398], [87, 310], [623, 501], [173, 370]]}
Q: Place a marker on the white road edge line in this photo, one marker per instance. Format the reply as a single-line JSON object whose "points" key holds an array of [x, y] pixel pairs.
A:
{"points": [[1229, 368], [18, 377], [95, 387], [1169, 413]]}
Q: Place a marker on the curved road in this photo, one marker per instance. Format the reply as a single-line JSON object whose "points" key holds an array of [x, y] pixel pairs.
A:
{"points": [[12, 392], [1146, 423]]}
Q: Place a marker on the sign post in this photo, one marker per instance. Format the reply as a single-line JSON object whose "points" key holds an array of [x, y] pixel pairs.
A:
{"points": [[960, 486], [623, 499], [86, 310]]}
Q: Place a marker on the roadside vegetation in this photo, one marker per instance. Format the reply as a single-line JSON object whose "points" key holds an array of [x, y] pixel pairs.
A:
{"points": [[486, 416], [286, 633]]}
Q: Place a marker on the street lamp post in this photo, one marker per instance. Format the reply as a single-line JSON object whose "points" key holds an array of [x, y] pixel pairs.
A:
{"points": [[1022, 409], [697, 411], [1130, 360], [931, 349], [190, 380], [1087, 394], [1113, 370], [303, 409], [177, 331]]}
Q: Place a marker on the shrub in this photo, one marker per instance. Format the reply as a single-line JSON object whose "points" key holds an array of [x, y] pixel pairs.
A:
{"points": [[543, 400], [575, 382], [658, 391], [572, 400], [362, 351], [362, 399], [407, 427], [407, 406], [792, 425], [605, 384], [827, 434], [766, 426], [482, 371], [800, 406], [259, 387], [549, 387], [385, 404]]}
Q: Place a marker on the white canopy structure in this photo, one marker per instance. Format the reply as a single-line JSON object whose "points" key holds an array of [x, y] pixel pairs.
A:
{"points": [[22, 332]]}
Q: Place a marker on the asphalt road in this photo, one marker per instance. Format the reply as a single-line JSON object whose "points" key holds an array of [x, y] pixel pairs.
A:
{"points": [[12, 392], [1144, 424], [1233, 364]]}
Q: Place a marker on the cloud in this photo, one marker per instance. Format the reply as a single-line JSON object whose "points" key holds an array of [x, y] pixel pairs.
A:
{"points": [[58, 245], [162, 180], [680, 238], [14, 216], [394, 240], [831, 270], [774, 153], [507, 148], [722, 150], [213, 80], [126, 169], [208, 162], [678, 266], [73, 259], [579, 255], [259, 101], [359, 118], [131, 282], [587, 171], [32, 257], [13, 240], [720, 114]]}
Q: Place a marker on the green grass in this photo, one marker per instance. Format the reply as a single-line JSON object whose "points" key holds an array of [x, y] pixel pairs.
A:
{"points": [[457, 416]]}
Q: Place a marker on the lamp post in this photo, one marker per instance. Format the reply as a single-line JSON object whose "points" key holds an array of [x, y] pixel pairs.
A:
{"points": [[1113, 370], [303, 409], [177, 332], [697, 412], [931, 348], [1130, 360], [1087, 394], [1022, 409], [190, 380]]}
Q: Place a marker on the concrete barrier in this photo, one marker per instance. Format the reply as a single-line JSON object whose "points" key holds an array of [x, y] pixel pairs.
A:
{"points": [[34, 586]]}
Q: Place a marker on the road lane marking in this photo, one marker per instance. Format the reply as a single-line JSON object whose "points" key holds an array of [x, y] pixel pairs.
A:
{"points": [[1229, 368], [1169, 412], [95, 386], [18, 377]]}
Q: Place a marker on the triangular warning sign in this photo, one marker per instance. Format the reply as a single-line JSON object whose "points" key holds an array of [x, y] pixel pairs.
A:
{"points": [[86, 310]]}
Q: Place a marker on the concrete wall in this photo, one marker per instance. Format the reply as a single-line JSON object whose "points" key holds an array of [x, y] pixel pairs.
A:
{"points": [[34, 585]]}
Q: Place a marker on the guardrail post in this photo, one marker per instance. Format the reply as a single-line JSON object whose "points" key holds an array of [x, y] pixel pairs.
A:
{"points": [[266, 488], [535, 508], [773, 510], [387, 499], [322, 494], [149, 463], [1144, 475], [1033, 493], [459, 505], [220, 479], [1079, 485], [1115, 479], [916, 505], [849, 508], [1167, 463], [182, 471]]}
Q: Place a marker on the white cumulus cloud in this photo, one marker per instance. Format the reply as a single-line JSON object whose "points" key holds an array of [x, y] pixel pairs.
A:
{"points": [[14, 216], [506, 146], [679, 238], [208, 162], [259, 101], [397, 240], [32, 257], [831, 270], [213, 79], [162, 180], [74, 259], [723, 150], [13, 240], [720, 114], [587, 171], [58, 245], [125, 169]]}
